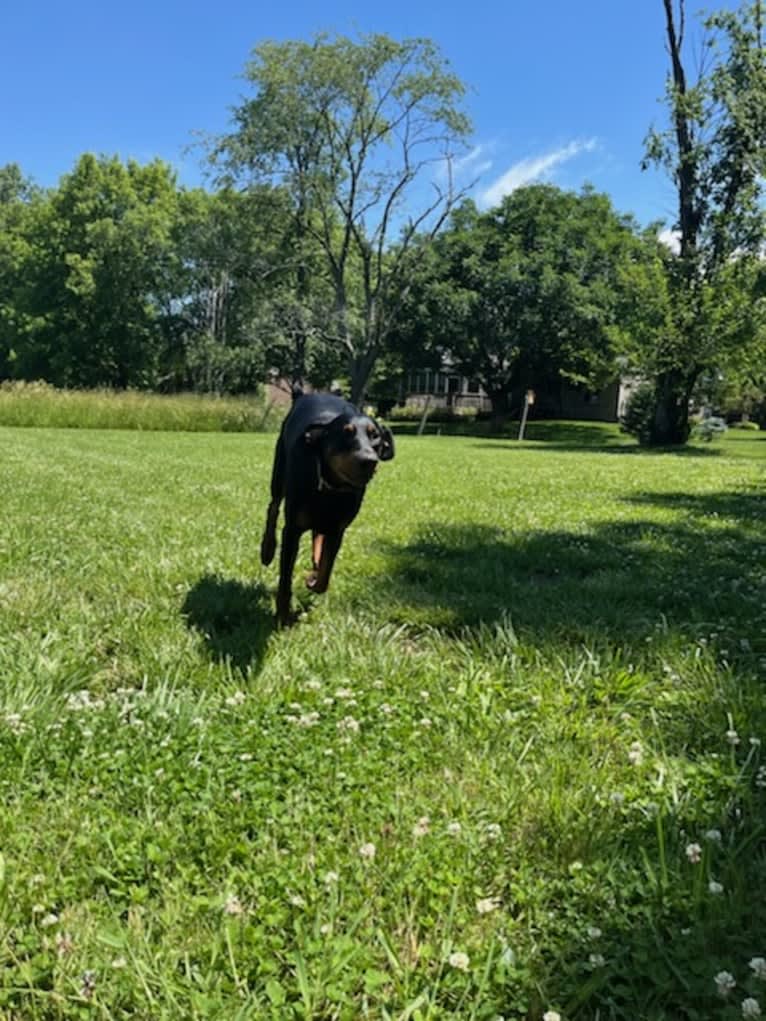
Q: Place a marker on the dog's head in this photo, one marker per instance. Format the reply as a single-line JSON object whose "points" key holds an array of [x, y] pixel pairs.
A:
{"points": [[351, 446]]}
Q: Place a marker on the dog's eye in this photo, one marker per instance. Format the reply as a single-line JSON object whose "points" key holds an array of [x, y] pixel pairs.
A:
{"points": [[349, 428], [372, 432]]}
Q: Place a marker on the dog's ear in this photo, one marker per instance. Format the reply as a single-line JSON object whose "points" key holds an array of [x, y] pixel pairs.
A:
{"points": [[315, 432], [313, 435], [386, 448]]}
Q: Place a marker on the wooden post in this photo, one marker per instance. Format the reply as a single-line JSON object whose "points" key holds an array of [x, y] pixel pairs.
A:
{"points": [[422, 425], [529, 398]]}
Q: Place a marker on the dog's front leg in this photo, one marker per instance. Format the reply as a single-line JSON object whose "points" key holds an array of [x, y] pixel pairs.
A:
{"points": [[329, 551], [290, 540]]}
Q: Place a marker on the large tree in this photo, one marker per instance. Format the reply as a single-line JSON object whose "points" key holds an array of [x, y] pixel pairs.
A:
{"points": [[362, 135], [525, 294], [714, 150], [93, 262]]}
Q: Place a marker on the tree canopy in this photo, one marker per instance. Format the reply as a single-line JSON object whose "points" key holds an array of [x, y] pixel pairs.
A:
{"points": [[362, 135], [526, 294], [714, 150]]}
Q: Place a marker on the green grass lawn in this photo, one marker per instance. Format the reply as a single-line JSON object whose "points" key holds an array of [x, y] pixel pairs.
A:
{"points": [[509, 765]]}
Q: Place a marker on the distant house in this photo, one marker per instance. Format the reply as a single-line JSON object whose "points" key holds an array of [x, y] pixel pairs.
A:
{"points": [[445, 388]]}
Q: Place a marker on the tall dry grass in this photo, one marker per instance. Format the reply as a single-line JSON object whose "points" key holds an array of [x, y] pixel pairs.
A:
{"points": [[39, 404]]}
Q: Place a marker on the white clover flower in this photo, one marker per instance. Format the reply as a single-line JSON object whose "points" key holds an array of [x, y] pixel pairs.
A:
{"points": [[367, 851], [454, 829], [751, 1008], [758, 967], [551, 1015], [330, 878], [724, 983], [385, 708], [732, 737], [425, 695], [593, 932], [714, 836], [308, 719], [459, 960], [297, 901], [694, 853], [119, 962], [425, 722], [326, 928], [714, 887], [636, 754], [236, 699], [49, 920], [233, 905], [313, 684], [487, 904], [755, 742], [596, 960], [493, 831], [421, 827], [349, 723], [344, 693], [245, 757]]}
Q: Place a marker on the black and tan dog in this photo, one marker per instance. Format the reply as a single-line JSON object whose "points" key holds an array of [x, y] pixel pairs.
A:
{"points": [[326, 454]]}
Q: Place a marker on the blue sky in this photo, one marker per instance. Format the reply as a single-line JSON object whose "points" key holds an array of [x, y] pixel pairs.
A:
{"points": [[558, 90]]}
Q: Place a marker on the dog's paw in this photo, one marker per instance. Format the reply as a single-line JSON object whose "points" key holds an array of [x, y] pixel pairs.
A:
{"points": [[287, 619], [311, 580]]}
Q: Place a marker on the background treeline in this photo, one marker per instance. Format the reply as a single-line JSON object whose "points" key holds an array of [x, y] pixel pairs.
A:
{"points": [[337, 241]]}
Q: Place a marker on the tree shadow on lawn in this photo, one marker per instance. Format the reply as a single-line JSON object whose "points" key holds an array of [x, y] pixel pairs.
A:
{"points": [[600, 447], [235, 619], [617, 581], [694, 574]]}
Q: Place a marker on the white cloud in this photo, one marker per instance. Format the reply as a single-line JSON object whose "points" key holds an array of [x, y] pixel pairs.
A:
{"points": [[533, 169]]}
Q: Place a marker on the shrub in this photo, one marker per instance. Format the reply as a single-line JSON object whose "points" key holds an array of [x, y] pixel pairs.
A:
{"points": [[708, 428], [750, 426], [410, 413], [637, 418]]}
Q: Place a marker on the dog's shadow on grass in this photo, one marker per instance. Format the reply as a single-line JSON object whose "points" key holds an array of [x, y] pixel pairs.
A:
{"points": [[235, 619]]}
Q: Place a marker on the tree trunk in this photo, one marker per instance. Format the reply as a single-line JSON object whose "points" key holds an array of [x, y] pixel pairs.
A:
{"points": [[499, 402], [670, 422], [360, 368]]}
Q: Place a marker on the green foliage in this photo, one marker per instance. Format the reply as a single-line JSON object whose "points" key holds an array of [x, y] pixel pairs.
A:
{"points": [[527, 294], [350, 130], [639, 410], [556, 666], [714, 150], [92, 272]]}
